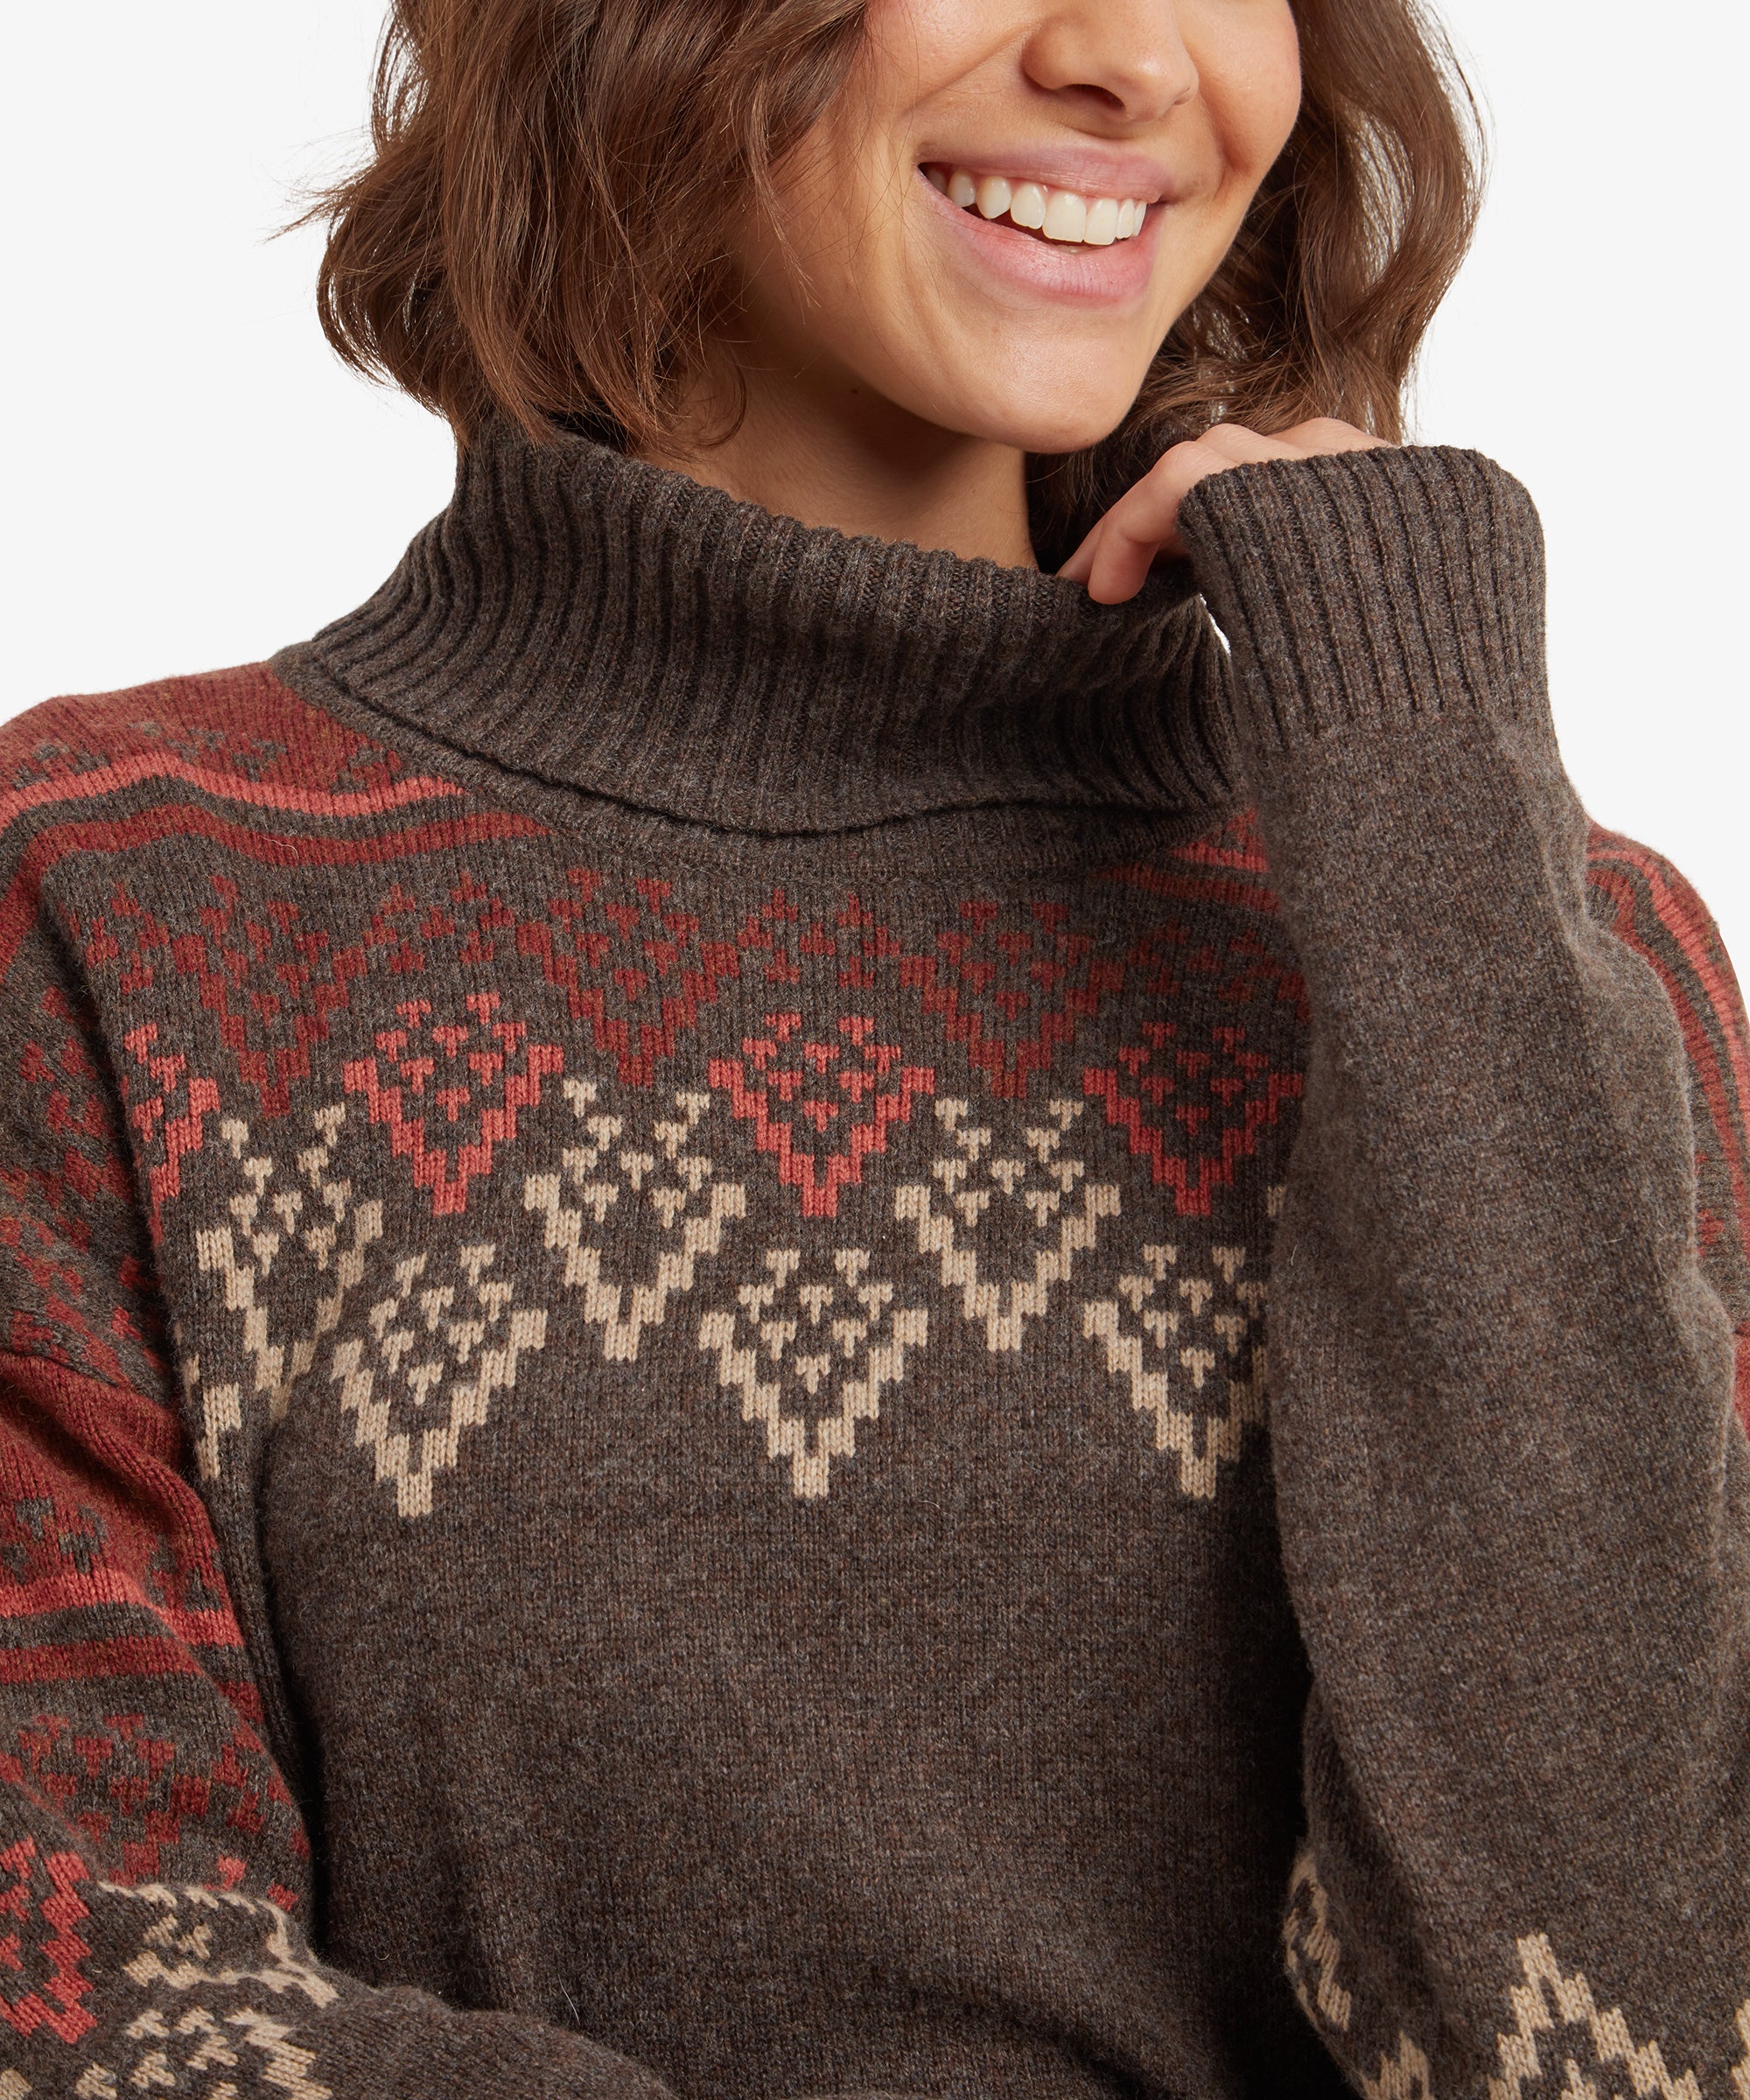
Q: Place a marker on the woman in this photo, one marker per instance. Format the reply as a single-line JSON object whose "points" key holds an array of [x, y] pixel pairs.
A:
{"points": [[642, 1185]]}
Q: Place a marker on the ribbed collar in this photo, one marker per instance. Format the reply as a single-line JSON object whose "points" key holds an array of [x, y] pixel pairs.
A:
{"points": [[622, 628]]}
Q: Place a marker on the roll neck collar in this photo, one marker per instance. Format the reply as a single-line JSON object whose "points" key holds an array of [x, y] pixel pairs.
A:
{"points": [[620, 627]]}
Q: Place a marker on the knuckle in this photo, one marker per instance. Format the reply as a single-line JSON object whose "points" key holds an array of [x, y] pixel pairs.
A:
{"points": [[1172, 462], [1200, 457], [1336, 436]]}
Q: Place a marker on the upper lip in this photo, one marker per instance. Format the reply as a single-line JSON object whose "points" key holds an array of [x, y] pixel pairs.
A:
{"points": [[1087, 169]]}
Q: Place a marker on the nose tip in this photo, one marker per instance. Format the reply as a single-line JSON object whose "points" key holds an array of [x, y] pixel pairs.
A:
{"points": [[1155, 91], [1132, 60]]}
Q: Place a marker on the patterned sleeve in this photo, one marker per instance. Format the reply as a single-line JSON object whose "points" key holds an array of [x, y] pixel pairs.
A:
{"points": [[1507, 1323], [1641, 898], [155, 1876]]}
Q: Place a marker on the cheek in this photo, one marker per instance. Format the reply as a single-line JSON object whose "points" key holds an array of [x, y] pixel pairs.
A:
{"points": [[850, 180], [925, 43], [1247, 57]]}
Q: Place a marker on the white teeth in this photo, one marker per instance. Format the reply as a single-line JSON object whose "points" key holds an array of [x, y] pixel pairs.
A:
{"points": [[1059, 214], [1065, 216], [1027, 207]]}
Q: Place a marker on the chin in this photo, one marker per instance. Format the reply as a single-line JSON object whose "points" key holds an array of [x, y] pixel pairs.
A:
{"points": [[1082, 422]]}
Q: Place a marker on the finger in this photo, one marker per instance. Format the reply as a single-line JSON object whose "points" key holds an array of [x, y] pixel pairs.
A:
{"points": [[1143, 523], [1147, 506], [1234, 447], [1326, 434], [1115, 560], [1236, 444]]}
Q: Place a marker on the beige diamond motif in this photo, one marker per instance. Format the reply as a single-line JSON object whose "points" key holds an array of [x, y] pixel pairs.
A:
{"points": [[437, 1348], [308, 1225], [1034, 1193], [801, 1335], [608, 1175], [1173, 1338]]}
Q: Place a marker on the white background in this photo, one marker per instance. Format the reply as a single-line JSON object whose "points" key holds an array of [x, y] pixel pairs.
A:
{"points": [[192, 480]]}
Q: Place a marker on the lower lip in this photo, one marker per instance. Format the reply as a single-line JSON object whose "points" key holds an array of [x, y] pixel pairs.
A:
{"points": [[1068, 271]]}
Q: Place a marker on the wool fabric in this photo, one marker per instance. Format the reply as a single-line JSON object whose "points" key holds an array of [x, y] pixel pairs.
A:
{"points": [[781, 1317]]}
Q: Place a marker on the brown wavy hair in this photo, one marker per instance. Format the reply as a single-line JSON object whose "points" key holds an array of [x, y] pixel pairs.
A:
{"points": [[538, 232]]}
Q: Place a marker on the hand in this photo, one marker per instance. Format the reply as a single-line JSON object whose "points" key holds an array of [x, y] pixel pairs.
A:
{"points": [[1116, 558]]}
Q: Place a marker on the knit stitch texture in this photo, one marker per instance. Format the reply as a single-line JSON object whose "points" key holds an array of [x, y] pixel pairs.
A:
{"points": [[779, 1317]]}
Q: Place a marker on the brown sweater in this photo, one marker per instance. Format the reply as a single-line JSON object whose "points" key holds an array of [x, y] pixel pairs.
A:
{"points": [[640, 1196]]}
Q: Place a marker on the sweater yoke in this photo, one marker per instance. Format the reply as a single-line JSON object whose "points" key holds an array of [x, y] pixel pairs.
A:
{"points": [[747, 1343]]}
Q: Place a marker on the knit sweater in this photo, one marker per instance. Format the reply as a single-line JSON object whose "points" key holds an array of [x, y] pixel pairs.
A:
{"points": [[783, 1317]]}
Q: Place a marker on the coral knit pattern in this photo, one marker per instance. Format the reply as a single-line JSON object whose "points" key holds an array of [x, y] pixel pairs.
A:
{"points": [[782, 1317]]}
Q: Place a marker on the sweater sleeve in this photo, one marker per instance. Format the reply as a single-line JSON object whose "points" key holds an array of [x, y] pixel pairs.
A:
{"points": [[155, 1874], [1513, 1485]]}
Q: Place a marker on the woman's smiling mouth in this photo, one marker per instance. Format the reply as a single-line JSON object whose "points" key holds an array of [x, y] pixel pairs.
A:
{"points": [[1054, 257], [1064, 215]]}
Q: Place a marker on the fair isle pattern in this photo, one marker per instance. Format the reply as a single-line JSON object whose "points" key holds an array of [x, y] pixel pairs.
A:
{"points": [[358, 1100], [179, 1937], [800, 1160], [1311, 1949], [665, 1196], [176, 2046], [440, 1343], [1557, 2028], [1060, 1215], [202, 2055], [440, 1137], [833, 1334], [819, 1322], [1178, 1329], [131, 1730], [1405, 2077], [1312, 1953], [1649, 907], [1558, 2032], [270, 1219]]}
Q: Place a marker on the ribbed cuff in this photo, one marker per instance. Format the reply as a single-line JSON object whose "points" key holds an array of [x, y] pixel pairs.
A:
{"points": [[1368, 590]]}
